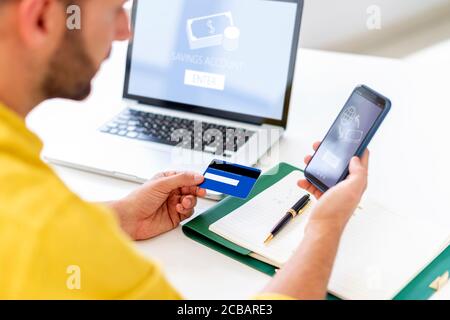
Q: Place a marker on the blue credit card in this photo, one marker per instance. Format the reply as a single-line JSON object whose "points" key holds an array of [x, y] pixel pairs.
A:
{"points": [[231, 179]]}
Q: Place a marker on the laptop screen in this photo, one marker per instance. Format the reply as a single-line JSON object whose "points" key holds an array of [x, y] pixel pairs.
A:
{"points": [[226, 57]]}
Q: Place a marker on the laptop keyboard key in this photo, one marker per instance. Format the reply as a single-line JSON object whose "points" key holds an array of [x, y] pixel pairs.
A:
{"points": [[132, 134], [175, 131]]}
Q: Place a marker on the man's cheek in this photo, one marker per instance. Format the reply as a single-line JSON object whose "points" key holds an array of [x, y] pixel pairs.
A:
{"points": [[109, 53], [102, 47]]}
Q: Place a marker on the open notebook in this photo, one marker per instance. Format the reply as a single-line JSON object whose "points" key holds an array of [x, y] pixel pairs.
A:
{"points": [[380, 251]]}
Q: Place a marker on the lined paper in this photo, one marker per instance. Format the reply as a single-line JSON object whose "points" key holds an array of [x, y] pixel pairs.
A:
{"points": [[249, 225]]}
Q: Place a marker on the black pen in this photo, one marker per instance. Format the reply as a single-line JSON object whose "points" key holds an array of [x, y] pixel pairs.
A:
{"points": [[296, 210]]}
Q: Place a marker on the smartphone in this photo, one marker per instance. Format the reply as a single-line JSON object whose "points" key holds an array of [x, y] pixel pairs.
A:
{"points": [[349, 136]]}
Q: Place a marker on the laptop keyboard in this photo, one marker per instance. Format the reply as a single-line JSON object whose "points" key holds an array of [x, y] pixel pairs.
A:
{"points": [[174, 131]]}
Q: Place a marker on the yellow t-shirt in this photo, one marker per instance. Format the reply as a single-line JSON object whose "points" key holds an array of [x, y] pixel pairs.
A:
{"points": [[53, 244]]}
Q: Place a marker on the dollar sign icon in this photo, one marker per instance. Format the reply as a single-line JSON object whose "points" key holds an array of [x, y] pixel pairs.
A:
{"points": [[210, 26]]}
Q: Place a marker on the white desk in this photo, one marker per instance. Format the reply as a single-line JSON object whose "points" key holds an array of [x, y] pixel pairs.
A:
{"points": [[322, 85]]}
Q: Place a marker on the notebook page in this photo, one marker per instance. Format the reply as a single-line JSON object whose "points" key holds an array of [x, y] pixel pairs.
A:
{"points": [[249, 225], [382, 251], [379, 254]]}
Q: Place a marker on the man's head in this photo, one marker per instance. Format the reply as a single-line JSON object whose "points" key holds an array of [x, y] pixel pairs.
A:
{"points": [[59, 55]]}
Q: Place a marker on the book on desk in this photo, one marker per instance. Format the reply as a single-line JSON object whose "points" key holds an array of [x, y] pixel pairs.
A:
{"points": [[382, 255]]}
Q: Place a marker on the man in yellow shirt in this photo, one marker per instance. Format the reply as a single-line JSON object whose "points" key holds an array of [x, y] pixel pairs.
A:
{"points": [[47, 233]]}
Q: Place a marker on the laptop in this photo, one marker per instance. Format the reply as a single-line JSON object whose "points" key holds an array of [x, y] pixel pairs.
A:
{"points": [[204, 80]]}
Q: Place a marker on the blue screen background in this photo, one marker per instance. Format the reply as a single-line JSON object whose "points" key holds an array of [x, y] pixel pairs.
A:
{"points": [[255, 74]]}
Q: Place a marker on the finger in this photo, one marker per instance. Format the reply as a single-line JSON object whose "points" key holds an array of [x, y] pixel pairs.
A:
{"points": [[356, 166], [193, 190], [180, 180], [316, 145], [189, 202], [304, 184], [185, 213], [170, 173], [317, 193], [201, 192], [164, 174], [189, 190], [312, 190], [308, 159], [358, 173]]}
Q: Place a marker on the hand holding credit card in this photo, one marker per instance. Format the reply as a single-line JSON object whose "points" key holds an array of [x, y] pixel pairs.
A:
{"points": [[231, 179]]}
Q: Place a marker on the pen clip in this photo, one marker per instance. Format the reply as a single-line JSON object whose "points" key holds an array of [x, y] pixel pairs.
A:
{"points": [[305, 207]]}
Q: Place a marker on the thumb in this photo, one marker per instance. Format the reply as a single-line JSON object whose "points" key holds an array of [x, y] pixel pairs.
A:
{"points": [[355, 165], [180, 180], [358, 172]]}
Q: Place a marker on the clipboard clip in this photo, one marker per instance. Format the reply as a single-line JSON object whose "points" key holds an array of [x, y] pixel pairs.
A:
{"points": [[440, 282]]}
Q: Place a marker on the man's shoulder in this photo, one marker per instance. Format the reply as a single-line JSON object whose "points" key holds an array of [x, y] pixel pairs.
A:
{"points": [[30, 190]]}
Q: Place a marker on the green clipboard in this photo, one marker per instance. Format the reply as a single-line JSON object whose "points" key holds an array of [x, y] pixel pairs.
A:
{"points": [[198, 230]]}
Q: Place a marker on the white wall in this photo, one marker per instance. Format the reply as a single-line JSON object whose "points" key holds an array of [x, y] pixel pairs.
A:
{"points": [[342, 24]]}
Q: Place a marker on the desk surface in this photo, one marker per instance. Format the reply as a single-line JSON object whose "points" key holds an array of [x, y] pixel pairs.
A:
{"points": [[407, 143]]}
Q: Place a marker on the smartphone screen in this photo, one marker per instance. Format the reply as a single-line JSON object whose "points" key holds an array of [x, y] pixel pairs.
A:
{"points": [[344, 139]]}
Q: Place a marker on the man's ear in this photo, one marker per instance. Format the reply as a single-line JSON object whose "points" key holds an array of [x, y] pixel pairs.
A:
{"points": [[41, 22]]}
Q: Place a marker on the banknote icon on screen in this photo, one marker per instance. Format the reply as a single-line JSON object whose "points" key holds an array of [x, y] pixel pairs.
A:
{"points": [[213, 30]]}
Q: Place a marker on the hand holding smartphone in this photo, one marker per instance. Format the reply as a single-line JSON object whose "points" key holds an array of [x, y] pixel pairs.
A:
{"points": [[349, 136]]}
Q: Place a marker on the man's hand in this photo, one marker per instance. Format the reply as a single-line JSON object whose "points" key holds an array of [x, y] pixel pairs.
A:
{"points": [[307, 273], [336, 206], [160, 205]]}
